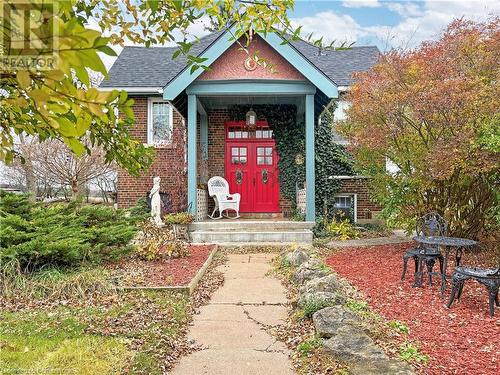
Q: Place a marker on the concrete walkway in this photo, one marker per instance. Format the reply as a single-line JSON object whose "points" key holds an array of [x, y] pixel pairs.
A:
{"points": [[231, 328]]}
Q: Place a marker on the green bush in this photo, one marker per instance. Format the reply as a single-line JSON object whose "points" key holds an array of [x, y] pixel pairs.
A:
{"points": [[15, 204], [61, 234], [140, 209], [343, 230], [178, 218]]}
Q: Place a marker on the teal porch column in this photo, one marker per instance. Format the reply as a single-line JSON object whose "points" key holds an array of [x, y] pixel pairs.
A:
{"points": [[310, 172], [191, 154]]}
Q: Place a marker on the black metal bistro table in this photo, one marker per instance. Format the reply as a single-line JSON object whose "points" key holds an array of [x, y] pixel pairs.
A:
{"points": [[447, 243]]}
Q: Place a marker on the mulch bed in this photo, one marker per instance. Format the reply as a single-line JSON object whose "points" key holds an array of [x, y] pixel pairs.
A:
{"points": [[460, 340], [171, 272]]}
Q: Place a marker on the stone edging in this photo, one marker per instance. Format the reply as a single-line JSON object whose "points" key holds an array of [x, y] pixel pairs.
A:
{"points": [[344, 337], [189, 288]]}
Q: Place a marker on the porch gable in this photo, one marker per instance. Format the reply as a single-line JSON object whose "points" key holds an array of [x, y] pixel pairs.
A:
{"points": [[237, 64], [179, 83]]}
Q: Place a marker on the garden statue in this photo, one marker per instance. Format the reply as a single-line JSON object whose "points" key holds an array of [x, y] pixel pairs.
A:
{"points": [[156, 201]]}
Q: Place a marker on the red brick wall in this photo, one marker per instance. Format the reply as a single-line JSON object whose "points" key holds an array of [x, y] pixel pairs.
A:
{"points": [[366, 207], [169, 163], [216, 150]]}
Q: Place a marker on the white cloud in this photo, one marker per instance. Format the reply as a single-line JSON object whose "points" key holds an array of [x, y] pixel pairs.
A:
{"points": [[331, 26], [419, 22], [198, 28], [427, 22], [406, 9], [361, 3]]}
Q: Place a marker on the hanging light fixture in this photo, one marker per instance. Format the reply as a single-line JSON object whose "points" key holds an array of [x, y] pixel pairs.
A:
{"points": [[251, 122]]}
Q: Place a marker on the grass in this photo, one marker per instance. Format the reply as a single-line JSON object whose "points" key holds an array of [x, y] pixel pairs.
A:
{"points": [[54, 283], [311, 306], [127, 333], [36, 340], [399, 326], [308, 346], [410, 352], [357, 306]]}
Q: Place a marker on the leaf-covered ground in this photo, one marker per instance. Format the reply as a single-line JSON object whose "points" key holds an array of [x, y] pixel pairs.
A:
{"points": [[133, 332], [177, 271], [460, 340]]}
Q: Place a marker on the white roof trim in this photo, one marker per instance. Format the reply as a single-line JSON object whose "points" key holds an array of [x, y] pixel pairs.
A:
{"points": [[138, 90]]}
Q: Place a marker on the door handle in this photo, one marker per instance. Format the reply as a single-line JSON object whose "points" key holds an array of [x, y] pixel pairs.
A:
{"points": [[265, 176], [254, 180]]}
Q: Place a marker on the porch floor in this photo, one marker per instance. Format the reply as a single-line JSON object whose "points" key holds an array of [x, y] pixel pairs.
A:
{"points": [[248, 219]]}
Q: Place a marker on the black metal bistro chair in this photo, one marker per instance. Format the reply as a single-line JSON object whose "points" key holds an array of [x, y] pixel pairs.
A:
{"points": [[490, 278], [431, 224]]}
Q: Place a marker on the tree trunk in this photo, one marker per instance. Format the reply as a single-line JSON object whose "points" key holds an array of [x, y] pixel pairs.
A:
{"points": [[29, 174], [76, 190]]}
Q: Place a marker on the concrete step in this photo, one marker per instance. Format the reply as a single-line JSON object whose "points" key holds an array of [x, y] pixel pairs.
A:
{"points": [[250, 225], [252, 236]]}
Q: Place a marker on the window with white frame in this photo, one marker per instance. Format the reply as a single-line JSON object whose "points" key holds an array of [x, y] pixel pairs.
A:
{"points": [[339, 115], [346, 203], [160, 124]]}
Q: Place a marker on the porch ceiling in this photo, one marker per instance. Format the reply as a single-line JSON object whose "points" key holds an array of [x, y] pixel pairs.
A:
{"points": [[320, 101], [214, 102]]}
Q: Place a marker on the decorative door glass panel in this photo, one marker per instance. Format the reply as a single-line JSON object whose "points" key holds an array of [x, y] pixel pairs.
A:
{"points": [[238, 155], [261, 160], [264, 156]]}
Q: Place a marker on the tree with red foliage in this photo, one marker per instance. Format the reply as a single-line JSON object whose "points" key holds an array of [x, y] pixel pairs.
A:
{"points": [[434, 112]]}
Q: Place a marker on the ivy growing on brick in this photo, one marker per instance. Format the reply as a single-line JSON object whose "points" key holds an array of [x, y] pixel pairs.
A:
{"points": [[289, 131]]}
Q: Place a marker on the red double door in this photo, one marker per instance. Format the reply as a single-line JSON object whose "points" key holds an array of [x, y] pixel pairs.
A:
{"points": [[251, 166]]}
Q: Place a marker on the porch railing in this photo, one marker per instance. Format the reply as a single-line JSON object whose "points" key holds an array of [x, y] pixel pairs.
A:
{"points": [[301, 201], [201, 204]]}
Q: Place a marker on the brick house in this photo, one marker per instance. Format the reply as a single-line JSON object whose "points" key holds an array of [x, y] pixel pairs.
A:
{"points": [[185, 117]]}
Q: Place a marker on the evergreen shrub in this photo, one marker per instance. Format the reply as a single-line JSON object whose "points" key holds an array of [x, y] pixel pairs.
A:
{"points": [[67, 235]]}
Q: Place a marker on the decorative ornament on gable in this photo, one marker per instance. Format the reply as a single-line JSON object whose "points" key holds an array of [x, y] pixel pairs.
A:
{"points": [[250, 63]]}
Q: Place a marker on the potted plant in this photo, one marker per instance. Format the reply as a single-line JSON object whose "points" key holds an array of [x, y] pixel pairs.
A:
{"points": [[179, 222]]}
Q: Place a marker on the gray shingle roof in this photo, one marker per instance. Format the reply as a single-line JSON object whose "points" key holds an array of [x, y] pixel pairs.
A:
{"points": [[154, 67], [339, 65]]}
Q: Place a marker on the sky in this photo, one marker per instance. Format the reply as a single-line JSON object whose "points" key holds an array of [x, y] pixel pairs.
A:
{"points": [[387, 24]]}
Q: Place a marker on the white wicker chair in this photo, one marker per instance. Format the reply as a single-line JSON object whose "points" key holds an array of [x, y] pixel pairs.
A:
{"points": [[218, 189]]}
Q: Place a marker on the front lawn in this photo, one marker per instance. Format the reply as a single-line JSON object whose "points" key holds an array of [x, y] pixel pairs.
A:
{"points": [[131, 332], [463, 339], [63, 308]]}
